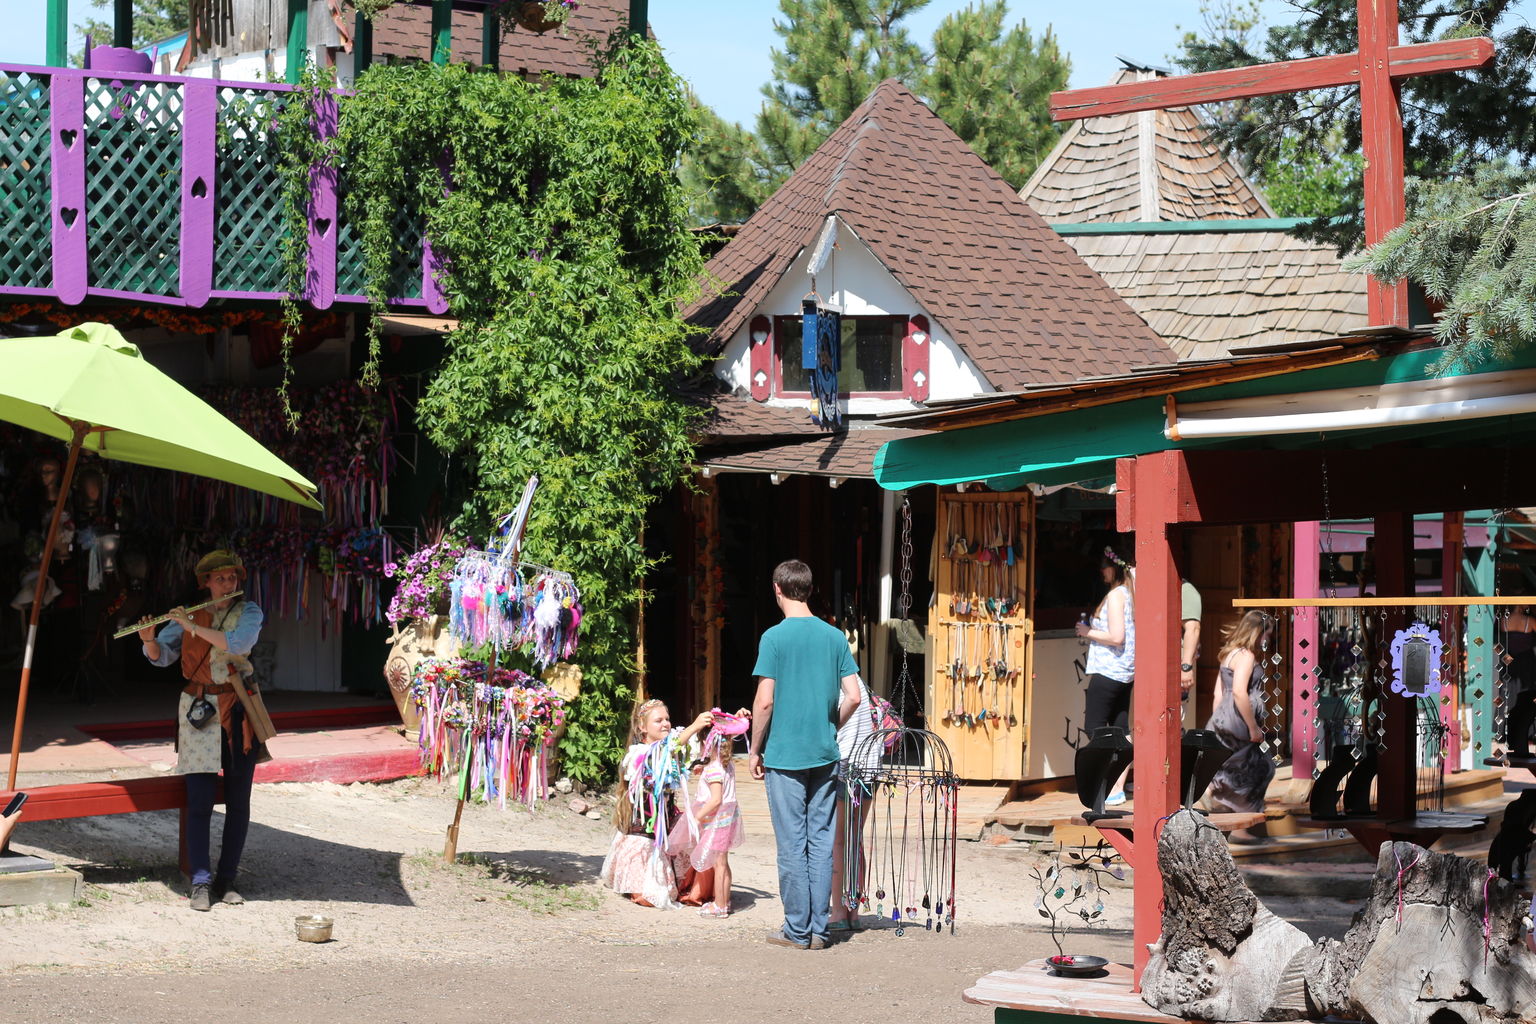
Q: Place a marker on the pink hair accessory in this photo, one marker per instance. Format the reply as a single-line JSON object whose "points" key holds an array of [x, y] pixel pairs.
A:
{"points": [[728, 724]]}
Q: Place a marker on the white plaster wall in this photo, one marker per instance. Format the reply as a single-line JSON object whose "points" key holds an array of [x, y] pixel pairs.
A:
{"points": [[856, 283]]}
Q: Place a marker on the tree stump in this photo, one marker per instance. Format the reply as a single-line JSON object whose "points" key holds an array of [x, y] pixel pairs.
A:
{"points": [[1417, 952], [1222, 956]]}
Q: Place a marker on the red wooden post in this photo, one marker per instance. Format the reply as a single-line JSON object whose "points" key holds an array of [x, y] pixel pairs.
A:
{"points": [[1378, 66], [1157, 721], [760, 357], [914, 359]]}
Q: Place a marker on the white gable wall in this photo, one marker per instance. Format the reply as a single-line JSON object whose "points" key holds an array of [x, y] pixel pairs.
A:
{"points": [[855, 282]]}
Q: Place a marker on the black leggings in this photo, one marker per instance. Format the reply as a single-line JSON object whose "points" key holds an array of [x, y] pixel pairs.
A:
{"points": [[1108, 703]]}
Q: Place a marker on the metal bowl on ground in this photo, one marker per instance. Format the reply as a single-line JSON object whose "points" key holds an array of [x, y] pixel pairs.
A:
{"points": [[1077, 966], [313, 927]]}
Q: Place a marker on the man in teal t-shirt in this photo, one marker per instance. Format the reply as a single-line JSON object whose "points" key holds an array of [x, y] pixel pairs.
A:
{"points": [[808, 685]]}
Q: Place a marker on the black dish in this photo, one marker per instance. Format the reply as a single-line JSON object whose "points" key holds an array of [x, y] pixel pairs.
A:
{"points": [[1077, 966]]}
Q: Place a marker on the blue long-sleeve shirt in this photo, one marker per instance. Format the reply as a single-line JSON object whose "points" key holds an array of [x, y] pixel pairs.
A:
{"points": [[240, 639]]}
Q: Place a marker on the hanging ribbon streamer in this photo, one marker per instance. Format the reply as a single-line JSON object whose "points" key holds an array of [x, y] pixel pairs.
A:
{"points": [[515, 606], [494, 735]]}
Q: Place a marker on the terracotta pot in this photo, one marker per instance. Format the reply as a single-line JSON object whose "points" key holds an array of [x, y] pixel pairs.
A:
{"points": [[412, 643], [531, 16]]}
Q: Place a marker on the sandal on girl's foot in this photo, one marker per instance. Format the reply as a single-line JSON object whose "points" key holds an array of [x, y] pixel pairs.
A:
{"points": [[711, 910], [1115, 799], [840, 926]]}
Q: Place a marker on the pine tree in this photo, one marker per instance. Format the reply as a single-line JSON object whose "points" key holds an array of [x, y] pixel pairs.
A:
{"points": [[153, 21], [1452, 124], [993, 87], [989, 83]]}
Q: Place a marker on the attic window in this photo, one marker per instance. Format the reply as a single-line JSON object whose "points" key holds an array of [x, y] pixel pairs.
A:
{"points": [[871, 355]]}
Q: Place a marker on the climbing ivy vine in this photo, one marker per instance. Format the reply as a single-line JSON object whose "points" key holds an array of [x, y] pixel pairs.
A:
{"points": [[556, 211]]}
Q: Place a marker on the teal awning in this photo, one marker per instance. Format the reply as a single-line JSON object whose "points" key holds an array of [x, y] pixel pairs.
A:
{"points": [[1074, 445]]}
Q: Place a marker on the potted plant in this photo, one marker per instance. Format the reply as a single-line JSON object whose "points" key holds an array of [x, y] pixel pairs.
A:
{"points": [[543, 15], [418, 610]]}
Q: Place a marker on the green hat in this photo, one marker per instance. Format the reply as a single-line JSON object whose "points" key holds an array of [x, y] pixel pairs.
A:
{"points": [[214, 561]]}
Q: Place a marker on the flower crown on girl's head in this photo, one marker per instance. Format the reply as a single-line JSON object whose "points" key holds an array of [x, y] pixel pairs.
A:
{"points": [[1109, 553]]}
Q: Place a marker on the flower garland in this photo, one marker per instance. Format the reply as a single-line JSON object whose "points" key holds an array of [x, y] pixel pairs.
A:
{"points": [[170, 318], [493, 731]]}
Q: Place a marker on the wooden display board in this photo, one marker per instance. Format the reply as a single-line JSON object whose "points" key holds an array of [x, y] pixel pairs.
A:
{"points": [[980, 634]]}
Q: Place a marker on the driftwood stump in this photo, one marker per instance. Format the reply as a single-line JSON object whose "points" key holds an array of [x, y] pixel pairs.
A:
{"points": [[1418, 952], [1222, 954]]}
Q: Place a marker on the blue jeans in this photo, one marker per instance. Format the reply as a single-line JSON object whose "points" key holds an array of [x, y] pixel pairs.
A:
{"points": [[239, 774], [803, 805]]}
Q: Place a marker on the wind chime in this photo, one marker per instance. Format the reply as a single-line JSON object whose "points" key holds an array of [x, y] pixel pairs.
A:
{"points": [[821, 356], [902, 796]]}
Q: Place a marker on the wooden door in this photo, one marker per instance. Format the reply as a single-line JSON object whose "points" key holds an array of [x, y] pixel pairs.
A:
{"points": [[980, 632]]}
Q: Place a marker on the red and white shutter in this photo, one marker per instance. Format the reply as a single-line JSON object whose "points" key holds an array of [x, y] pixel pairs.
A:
{"points": [[760, 364], [914, 359]]}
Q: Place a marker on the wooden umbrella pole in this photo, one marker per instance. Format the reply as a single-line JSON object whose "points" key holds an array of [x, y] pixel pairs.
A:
{"points": [[80, 430]]}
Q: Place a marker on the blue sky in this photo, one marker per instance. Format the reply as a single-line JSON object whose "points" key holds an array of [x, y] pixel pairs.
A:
{"points": [[721, 46]]}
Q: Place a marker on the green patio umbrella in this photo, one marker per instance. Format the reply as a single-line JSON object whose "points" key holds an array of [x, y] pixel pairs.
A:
{"points": [[92, 387]]}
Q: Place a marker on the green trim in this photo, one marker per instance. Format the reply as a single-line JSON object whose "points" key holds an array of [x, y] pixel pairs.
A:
{"points": [[1183, 227], [362, 46], [1077, 444], [56, 34], [442, 32], [298, 40], [490, 40], [639, 14], [122, 24]]}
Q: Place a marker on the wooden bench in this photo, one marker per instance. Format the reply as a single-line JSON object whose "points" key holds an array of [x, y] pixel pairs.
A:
{"points": [[125, 796], [1423, 828], [1119, 830]]}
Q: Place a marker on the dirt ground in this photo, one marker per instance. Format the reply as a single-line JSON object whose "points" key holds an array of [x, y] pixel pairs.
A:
{"points": [[518, 928]]}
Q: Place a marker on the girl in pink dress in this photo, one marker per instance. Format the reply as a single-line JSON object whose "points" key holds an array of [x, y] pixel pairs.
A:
{"points": [[716, 819]]}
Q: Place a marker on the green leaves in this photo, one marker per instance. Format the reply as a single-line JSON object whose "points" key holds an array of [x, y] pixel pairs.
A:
{"points": [[1471, 245], [990, 83], [559, 216]]}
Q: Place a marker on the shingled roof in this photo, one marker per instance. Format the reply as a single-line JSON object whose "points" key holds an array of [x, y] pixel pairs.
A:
{"points": [[1014, 296], [848, 453], [1206, 292], [405, 30], [1154, 165], [1210, 293]]}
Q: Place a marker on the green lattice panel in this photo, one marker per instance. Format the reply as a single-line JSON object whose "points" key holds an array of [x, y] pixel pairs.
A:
{"points": [[249, 226], [25, 190], [133, 186], [404, 268]]}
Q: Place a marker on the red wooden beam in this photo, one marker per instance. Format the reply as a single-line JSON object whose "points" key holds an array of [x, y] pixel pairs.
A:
{"points": [[90, 799], [1235, 487], [1266, 79], [1381, 143]]}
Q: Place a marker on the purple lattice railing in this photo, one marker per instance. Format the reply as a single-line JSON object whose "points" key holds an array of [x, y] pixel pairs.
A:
{"points": [[79, 109]]}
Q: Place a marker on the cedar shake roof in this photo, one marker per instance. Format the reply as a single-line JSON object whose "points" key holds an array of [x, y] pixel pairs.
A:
{"points": [[850, 453], [1010, 292], [1156, 165], [405, 30], [1206, 293], [1213, 293]]}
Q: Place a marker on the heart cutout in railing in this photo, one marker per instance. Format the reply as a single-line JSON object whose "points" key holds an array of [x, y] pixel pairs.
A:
{"points": [[68, 137], [199, 189], [322, 226], [68, 214]]}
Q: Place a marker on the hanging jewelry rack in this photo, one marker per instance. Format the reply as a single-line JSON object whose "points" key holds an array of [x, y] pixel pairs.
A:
{"points": [[906, 778]]}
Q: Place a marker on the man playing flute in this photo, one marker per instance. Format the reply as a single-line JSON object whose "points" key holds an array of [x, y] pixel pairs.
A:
{"points": [[212, 731]]}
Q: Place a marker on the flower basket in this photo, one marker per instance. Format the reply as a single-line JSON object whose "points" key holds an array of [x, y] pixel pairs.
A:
{"points": [[543, 15]]}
